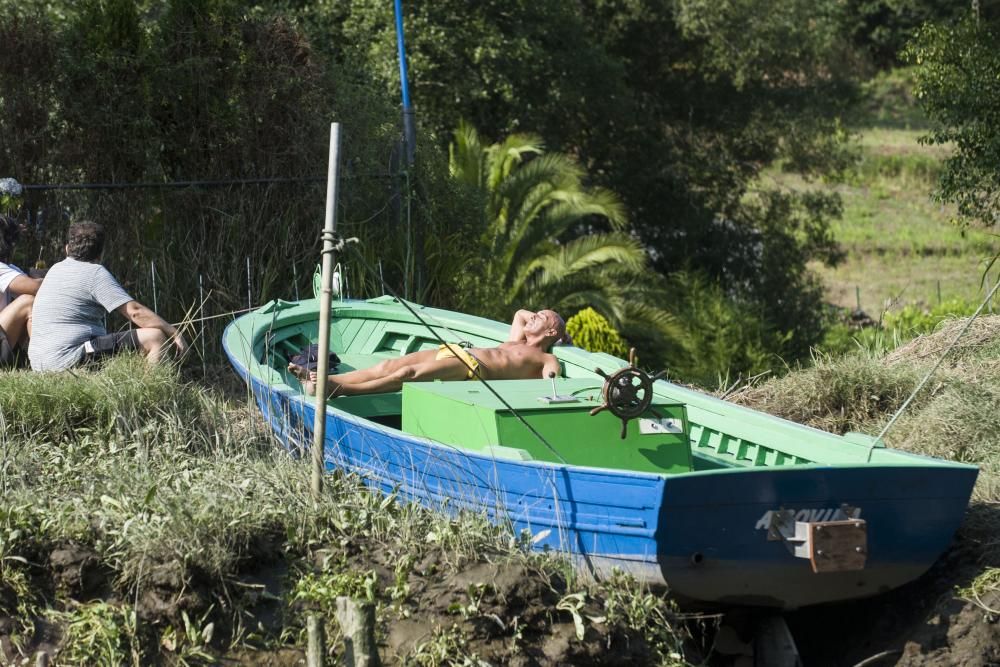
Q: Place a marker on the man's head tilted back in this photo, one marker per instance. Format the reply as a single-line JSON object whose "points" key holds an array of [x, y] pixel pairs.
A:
{"points": [[555, 327], [85, 241]]}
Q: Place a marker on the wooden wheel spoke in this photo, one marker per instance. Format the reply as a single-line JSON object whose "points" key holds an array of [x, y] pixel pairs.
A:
{"points": [[627, 393]]}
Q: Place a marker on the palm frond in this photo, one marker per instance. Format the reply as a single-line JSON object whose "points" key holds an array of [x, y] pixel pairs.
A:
{"points": [[560, 172], [531, 204], [505, 157], [624, 254], [466, 157], [549, 218]]}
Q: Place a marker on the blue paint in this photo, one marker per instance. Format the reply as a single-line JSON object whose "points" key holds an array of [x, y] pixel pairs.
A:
{"points": [[409, 129]]}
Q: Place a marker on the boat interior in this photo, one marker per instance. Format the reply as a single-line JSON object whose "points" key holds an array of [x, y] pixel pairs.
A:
{"points": [[548, 420]]}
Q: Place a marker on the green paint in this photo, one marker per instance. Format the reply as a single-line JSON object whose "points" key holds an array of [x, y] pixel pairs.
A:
{"points": [[468, 415]]}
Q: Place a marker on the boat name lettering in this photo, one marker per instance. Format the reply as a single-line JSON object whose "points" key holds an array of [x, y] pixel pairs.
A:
{"points": [[812, 516]]}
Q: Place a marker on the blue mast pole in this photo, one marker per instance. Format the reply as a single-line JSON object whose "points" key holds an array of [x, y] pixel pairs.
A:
{"points": [[409, 129]]}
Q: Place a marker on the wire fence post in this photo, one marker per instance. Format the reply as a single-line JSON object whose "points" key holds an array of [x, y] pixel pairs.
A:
{"points": [[249, 289], [295, 281], [202, 316], [857, 295], [381, 280], [991, 293], [316, 648], [152, 273]]}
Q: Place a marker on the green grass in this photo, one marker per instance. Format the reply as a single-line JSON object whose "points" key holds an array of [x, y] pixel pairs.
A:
{"points": [[191, 535], [902, 247]]}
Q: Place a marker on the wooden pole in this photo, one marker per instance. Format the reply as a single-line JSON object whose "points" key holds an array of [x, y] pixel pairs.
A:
{"points": [[315, 650], [322, 356], [357, 621], [249, 287]]}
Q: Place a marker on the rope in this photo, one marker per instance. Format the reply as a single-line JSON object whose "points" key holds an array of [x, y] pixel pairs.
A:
{"points": [[473, 371], [931, 372], [214, 317], [193, 184]]}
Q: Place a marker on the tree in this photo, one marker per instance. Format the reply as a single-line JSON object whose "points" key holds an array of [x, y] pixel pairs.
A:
{"points": [[883, 27], [534, 206], [675, 105], [958, 87]]}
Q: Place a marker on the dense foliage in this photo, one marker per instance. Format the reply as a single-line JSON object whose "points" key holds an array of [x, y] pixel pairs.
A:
{"points": [[958, 87], [881, 28], [124, 92], [674, 105]]}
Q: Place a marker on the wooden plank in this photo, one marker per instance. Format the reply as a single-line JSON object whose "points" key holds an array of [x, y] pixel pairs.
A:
{"points": [[838, 546]]}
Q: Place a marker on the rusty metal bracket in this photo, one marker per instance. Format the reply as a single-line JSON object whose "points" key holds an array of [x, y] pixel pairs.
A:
{"points": [[837, 545]]}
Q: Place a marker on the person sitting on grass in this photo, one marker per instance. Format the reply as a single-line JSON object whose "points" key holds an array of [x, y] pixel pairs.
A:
{"points": [[17, 294], [71, 304], [525, 355]]}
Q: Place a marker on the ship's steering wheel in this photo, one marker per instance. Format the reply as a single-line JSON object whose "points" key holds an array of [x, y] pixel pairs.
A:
{"points": [[627, 393]]}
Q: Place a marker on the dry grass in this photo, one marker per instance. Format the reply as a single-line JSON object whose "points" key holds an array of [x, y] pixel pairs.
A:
{"points": [[956, 416]]}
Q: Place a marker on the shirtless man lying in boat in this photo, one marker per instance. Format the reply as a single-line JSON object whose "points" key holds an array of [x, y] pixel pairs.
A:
{"points": [[525, 355]]}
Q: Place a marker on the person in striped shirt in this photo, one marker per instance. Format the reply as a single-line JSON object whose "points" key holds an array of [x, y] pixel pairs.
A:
{"points": [[69, 311]]}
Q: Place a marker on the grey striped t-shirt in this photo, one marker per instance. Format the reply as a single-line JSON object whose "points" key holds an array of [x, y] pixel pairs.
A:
{"points": [[69, 310]]}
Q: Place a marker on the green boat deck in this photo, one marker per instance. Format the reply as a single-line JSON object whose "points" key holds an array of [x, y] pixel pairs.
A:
{"points": [[467, 414]]}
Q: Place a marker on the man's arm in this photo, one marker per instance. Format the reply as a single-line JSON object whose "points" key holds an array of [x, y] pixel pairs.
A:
{"points": [[517, 326], [25, 285], [551, 367], [144, 318]]}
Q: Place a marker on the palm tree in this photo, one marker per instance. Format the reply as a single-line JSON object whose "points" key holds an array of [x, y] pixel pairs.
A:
{"points": [[533, 202]]}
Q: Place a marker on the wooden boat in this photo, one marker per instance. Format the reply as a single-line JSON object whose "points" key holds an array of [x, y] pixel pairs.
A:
{"points": [[721, 503]]}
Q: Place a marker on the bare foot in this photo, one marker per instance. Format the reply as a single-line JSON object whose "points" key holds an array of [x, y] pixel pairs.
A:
{"points": [[306, 377]]}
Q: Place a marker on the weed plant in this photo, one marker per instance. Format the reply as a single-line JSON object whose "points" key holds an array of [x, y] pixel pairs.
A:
{"points": [[172, 504], [895, 327]]}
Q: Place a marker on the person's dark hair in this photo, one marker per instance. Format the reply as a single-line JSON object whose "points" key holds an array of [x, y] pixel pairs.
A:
{"points": [[10, 231], [85, 241]]}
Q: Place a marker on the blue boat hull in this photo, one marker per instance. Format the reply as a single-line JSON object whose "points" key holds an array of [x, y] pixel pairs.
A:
{"points": [[702, 534]]}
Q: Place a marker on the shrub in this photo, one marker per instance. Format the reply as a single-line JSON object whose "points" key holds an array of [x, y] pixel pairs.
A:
{"points": [[592, 331]]}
